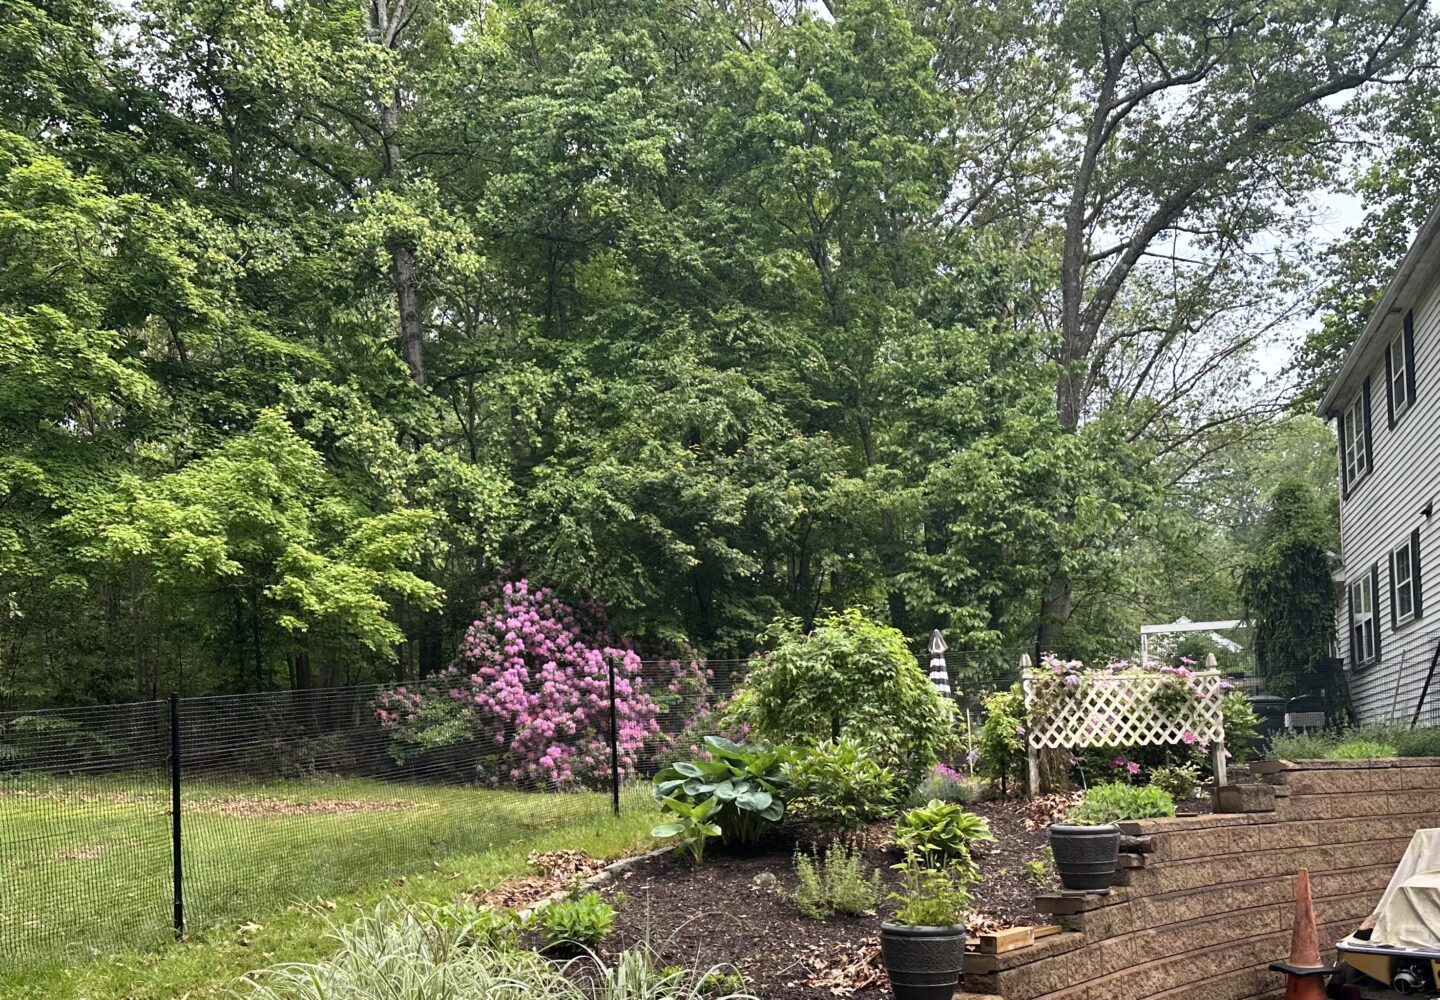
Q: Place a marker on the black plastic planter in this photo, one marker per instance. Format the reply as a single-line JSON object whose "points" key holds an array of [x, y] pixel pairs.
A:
{"points": [[923, 962], [1085, 856]]}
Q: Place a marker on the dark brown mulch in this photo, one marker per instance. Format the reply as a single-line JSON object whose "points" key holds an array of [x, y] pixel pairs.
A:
{"points": [[737, 911]]}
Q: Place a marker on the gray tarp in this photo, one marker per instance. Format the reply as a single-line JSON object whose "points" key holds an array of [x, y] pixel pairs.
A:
{"points": [[1408, 915]]}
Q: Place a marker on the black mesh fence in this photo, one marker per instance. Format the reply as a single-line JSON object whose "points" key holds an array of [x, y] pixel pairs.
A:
{"points": [[300, 796]]}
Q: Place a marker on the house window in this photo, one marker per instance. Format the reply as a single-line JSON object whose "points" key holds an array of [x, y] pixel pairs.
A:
{"points": [[1397, 368], [1362, 620], [1405, 582], [1357, 443]]}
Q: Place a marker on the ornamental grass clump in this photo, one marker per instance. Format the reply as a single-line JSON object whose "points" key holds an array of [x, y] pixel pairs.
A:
{"points": [[403, 952]]}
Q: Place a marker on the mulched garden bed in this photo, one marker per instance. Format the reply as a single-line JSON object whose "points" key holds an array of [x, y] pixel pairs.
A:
{"points": [[737, 911]]}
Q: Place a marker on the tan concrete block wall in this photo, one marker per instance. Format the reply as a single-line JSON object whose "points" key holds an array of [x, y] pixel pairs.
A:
{"points": [[1209, 905]]}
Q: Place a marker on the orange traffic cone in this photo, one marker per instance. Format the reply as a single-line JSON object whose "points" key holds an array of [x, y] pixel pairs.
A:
{"points": [[1305, 972]]}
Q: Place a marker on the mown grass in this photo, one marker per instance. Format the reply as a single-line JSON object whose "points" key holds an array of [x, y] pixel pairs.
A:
{"points": [[85, 900]]}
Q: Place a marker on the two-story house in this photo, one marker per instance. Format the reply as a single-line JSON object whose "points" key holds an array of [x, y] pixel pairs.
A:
{"points": [[1386, 406]]}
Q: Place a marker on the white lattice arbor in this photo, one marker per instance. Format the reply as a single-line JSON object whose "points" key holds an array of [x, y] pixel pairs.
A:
{"points": [[1125, 708]]}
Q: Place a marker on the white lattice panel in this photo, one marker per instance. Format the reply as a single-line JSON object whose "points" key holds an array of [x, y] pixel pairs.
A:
{"points": [[1117, 710]]}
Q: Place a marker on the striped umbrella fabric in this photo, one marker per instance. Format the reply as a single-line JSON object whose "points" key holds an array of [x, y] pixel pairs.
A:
{"points": [[939, 674]]}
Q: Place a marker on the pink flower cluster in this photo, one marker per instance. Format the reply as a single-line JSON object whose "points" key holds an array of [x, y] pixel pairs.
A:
{"points": [[533, 677]]}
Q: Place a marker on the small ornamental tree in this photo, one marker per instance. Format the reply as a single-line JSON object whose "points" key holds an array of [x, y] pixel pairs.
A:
{"points": [[531, 688], [1289, 598], [849, 677]]}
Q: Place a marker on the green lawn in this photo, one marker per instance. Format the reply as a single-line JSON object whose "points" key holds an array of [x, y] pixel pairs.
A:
{"points": [[85, 898]]}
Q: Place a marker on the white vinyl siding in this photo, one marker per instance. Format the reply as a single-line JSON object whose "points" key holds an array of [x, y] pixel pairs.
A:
{"points": [[1389, 508]]}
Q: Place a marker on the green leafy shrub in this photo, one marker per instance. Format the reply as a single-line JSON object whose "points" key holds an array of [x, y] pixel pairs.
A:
{"points": [[836, 883], [1182, 781], [583, 922], [1002, 737], [1242, 724], [1422, 742], [837, 784], [941, 830], [481, 926], [1359, 749], [746, 780], [850, 677], [1303, 746], [1115, 801]]}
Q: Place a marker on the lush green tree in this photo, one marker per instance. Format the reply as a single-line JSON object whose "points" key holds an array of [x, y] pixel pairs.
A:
{"points": [[847, 678], [1289, 599]]}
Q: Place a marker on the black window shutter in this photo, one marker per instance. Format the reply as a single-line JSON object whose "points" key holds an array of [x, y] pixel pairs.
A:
{"points": [[1344, 469], [1354, 646], [1394, 610], [1369, 440], [1410, 355], [1374, 611], [1389, 386], [1415, 587]]}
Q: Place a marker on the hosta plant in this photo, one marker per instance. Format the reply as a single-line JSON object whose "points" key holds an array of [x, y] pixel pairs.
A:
{"points": [[941, 830], [691, 822], [1115, 801], [746, 780]]}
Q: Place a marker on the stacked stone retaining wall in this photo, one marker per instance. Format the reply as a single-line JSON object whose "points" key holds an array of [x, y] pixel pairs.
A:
{"points": [[1206, 902]]}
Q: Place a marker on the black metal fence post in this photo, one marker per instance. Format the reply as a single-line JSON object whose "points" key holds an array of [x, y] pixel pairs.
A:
{"points": [[179, 871], [614, 745]]}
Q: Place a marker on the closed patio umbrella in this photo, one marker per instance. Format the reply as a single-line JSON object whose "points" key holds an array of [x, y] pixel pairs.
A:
{"points": [[939, 674]]}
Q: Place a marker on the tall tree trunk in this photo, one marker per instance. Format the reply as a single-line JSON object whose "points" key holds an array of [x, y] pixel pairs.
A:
{"points": [[388, 19]]}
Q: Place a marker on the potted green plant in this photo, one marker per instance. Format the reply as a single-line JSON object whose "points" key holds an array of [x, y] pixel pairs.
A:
{"points": [[1087, 847], [923, 942]]}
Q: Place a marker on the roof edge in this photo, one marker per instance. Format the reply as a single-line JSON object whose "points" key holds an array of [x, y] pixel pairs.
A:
{"points": [[1429, 230]]}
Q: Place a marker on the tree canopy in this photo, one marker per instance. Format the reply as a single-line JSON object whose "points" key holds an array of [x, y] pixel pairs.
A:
{"points": [[318, 319]]}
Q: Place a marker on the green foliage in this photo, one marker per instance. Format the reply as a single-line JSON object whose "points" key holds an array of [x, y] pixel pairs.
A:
{"points": [[582, 922], [1242, 724], [838, 785], [941, 830], [1357, 749], [747, 781], [1289, 597], [1041, 871], [417, 953], [1115, 801], [1421, 742], [848, 677], [1379, 741], [835, 883], [1181, 781], [932, 892], [692, 823], [721, 983], [1302, 746], [947, 786], [1002, 736]]}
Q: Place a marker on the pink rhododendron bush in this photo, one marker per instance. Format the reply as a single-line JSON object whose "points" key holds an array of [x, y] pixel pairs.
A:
{"points": [[530, 690]]}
